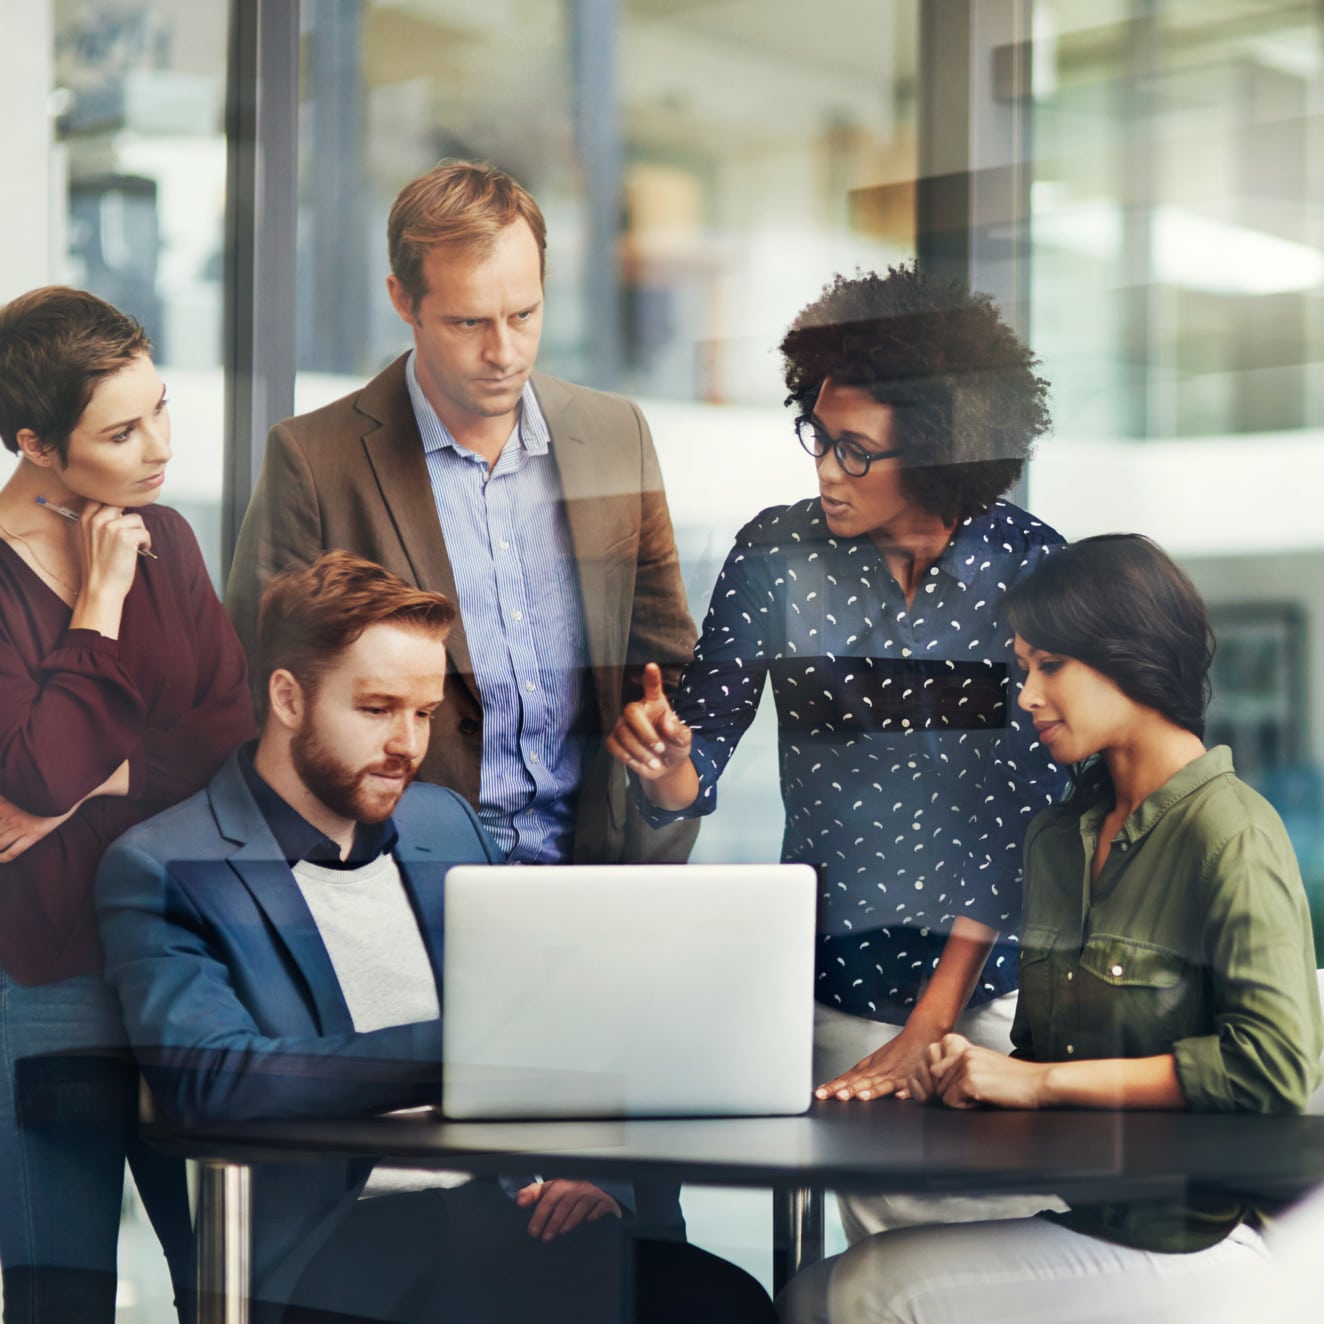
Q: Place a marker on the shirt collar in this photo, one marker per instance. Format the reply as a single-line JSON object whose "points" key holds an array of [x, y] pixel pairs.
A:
{"points": [[970, 544], [298, 839], [1146, 815], [532, 433], [967, 550]]}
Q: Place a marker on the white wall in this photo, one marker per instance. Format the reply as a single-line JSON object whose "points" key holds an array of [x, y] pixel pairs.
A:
{"points": [[30, 225]]}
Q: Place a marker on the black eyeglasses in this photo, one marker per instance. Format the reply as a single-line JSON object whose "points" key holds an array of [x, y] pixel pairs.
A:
{"points": [[854, 460]]}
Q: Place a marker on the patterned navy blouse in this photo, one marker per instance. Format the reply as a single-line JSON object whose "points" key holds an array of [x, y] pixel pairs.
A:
{"points": [[907, 772]]}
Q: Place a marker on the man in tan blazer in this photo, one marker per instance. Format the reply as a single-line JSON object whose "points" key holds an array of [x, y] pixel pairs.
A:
{"points": [[535, 505]]}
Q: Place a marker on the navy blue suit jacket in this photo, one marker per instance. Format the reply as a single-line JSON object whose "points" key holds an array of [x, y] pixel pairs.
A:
{"points": [[233, 1006]]}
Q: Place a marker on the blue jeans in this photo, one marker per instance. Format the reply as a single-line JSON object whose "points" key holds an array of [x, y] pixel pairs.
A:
{"points": [[66, 1129]]}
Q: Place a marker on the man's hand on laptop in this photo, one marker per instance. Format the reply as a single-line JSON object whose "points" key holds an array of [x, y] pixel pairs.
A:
{"points": [[561, 1206]]}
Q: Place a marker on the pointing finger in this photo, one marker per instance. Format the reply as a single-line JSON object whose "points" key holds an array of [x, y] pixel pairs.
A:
{"points": [[652, 682]]}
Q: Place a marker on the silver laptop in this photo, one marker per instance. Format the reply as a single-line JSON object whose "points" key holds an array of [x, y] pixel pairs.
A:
{"points": [[628, 990]]}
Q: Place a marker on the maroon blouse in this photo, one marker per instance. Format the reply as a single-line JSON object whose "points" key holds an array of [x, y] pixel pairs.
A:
{"points": [[170, 695]]}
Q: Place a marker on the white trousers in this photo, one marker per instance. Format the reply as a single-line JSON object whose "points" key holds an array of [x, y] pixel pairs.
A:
{"points": [[840, 1041], [1027, 1270]]}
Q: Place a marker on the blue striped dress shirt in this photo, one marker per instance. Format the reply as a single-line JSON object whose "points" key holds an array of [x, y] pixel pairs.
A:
{"points": [[518, 589]]}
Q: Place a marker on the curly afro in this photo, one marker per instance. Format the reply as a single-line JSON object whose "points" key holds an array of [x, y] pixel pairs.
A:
{"points": [[967, 403]]}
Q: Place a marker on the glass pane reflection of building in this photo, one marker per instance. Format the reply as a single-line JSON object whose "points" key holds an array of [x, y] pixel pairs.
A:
{"points": [[703, 169], [115, 140], [1178, 304], [139, 154], [705, 165]]}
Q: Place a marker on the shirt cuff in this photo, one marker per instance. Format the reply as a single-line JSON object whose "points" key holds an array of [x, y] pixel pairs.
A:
{"points": [[88, 640], [652, 815], [1201, 1074]]}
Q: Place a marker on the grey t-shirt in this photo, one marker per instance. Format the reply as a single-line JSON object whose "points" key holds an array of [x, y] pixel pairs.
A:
{"points": [[374, 942], [376, 948]]}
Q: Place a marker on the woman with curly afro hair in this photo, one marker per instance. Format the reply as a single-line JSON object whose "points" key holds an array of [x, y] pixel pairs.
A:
{"points": [[908, 778]]}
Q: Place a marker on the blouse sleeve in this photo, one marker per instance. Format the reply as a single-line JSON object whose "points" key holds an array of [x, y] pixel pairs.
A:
{"points": [[179, 757], [719, 692], [1264, 1053], [66, 724]]}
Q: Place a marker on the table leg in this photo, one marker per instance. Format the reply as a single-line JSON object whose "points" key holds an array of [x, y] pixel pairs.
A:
{"points": [[223, 1232], [797, 1231]]}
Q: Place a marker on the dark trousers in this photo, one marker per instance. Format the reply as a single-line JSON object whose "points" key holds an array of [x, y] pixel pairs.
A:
{"points": [[464, 1256]]}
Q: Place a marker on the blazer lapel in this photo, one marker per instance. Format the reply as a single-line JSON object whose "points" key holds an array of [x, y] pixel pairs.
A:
{"points": [[584, 487], [424, 875], [258, 862], [395, 453]]}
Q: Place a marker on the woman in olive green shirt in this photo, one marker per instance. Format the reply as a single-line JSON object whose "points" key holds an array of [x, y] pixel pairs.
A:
{"points": [[1166, 962]]}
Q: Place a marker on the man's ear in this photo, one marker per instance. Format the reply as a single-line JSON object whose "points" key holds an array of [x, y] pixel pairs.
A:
{"points": [[401, 301], [286, 700]]}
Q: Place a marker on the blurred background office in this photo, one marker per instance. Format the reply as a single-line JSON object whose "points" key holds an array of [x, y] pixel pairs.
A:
{"points": [[1140, 183]]}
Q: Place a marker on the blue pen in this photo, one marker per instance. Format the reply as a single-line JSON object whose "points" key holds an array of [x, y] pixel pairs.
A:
{"points": [[73, 515]]}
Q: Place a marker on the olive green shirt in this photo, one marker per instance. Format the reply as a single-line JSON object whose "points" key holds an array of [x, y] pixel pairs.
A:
{"points": [[1194, 940]]}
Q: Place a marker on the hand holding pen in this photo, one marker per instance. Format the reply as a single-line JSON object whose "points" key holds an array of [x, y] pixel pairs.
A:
{"points": [[108, 538], [74, 515]]}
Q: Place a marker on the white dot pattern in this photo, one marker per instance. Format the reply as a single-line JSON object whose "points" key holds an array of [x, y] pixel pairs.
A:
{"points": [[908, 774]]}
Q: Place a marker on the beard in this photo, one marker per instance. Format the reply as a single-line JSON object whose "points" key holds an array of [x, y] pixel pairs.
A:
{"points": [[344, 790]]}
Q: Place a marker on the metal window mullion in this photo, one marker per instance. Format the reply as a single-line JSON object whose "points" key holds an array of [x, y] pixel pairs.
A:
{"points": [[975, 116], [261, 212]]}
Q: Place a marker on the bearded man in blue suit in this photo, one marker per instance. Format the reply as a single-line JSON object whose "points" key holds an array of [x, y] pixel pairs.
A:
{"points": [[276, 944]]}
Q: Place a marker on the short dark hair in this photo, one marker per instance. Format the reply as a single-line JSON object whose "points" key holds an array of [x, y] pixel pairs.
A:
{"points": [[309, 615], [1120, 604], [462, 205], [967, 403], [56, 345]]}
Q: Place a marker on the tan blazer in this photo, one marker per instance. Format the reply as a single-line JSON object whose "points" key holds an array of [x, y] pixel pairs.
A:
{"points": [[353, 475]]}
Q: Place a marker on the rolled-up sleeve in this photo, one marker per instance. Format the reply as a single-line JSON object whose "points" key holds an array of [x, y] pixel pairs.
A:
{"points": [[1264, 1056]]}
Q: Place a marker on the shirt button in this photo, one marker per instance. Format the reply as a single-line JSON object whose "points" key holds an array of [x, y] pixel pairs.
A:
{"points": [[1071, 974], [533, 758], [1071, 1048], [1116, 971], [529, 685], [905, 652], [517, 616], [504, 545]]}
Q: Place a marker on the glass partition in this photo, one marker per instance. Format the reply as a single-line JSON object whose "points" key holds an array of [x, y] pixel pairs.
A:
{"points": [[704, 169], [1178, 304], [705, 166], [115, 165], [137, 180]]}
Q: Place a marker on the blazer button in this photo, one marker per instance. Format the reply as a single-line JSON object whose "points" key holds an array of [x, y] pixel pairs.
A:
{"points": [[468, 726]]}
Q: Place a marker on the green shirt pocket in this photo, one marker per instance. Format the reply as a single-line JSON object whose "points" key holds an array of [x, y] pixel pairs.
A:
{"points": [[1145, 996]]}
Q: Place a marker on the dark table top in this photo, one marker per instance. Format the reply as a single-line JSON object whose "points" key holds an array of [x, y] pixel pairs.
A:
{"points": [[883, 1145]]}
